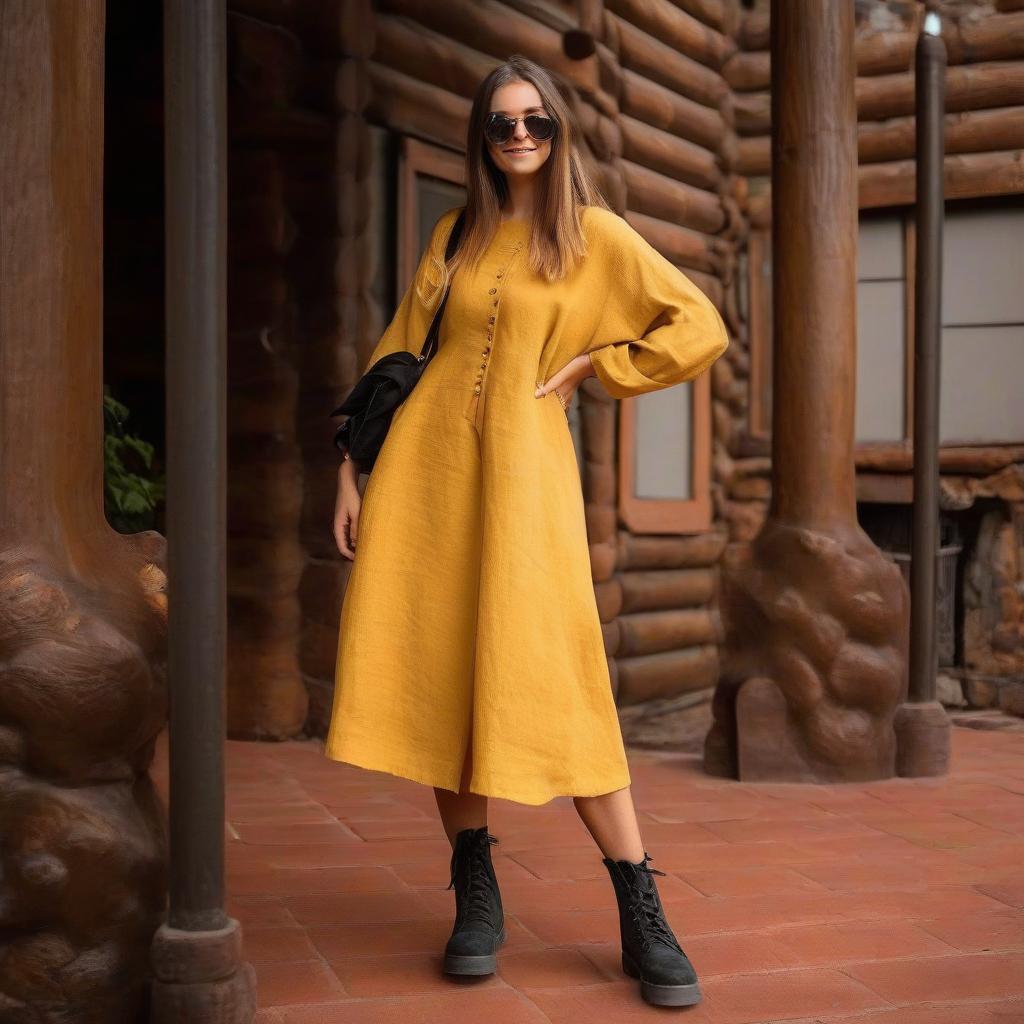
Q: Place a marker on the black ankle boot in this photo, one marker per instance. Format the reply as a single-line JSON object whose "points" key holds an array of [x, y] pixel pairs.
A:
{"points": [[479, 920], [650, 950]]}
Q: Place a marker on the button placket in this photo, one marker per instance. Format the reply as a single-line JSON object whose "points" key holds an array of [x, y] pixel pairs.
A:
{"points": [[491, 320], [475, 410]]}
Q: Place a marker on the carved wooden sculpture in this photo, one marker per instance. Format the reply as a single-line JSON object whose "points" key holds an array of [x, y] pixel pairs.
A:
{"points": [[82, 609], [816, 616]]}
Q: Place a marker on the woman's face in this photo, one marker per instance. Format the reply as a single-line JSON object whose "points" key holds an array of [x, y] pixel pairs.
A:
{"points": [[517, 99]]}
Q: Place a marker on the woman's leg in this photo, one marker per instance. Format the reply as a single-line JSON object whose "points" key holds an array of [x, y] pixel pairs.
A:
{"points": [[463, 809], [611, 820]]}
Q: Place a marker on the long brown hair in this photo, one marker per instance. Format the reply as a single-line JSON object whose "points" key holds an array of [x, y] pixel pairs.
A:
{"points": [[564, 185]]}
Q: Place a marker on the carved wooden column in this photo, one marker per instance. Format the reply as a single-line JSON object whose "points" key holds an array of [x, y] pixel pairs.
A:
{"points": [[816, 616], [82, 609]]}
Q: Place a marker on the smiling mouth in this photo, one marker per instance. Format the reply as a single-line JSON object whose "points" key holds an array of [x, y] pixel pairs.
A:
{"points": [[521, 149]]}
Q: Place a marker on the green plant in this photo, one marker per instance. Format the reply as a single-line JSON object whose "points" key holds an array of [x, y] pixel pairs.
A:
{"points": [[131, 489]]}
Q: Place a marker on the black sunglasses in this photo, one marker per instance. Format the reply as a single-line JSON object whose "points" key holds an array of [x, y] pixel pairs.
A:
{"points": [[498, 128]]}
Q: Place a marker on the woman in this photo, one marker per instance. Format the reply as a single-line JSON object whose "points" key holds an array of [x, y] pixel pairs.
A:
{"points": [[471, 656]]}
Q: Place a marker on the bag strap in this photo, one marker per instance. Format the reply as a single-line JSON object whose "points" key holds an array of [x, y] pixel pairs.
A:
{"points": [[435, 325]]}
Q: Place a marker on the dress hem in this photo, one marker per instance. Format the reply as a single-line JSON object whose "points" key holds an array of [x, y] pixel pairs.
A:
{"points": [[497, 792]]}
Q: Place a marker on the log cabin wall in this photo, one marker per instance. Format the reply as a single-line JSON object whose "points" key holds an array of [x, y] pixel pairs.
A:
{"points": [[308, 81], [983, 484], [298, 286], [673, 106]]}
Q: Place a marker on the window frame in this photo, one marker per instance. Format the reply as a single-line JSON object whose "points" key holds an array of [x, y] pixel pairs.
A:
{"points": [[668, 515]]}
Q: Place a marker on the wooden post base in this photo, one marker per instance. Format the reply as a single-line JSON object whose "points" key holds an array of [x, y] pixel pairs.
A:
{"points": [[200, 977], [922, 740]]}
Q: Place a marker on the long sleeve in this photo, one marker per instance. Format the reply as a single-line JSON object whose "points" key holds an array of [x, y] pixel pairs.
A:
{"points": [[657, 327], [408, 328]]}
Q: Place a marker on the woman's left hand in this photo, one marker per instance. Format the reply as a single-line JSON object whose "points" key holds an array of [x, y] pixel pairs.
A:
{"points": [[568, 379]]}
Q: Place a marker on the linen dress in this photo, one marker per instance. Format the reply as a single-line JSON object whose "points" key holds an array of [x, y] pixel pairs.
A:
{"points": [[469, 615]]}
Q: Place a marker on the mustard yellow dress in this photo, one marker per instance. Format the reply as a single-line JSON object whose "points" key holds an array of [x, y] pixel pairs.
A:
{"points": [[469, 615]]}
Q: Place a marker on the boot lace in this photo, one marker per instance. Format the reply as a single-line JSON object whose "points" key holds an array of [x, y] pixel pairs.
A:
{"points": [[478, 886], [647, 913]]}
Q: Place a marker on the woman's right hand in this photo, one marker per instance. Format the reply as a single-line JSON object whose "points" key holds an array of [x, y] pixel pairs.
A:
{"points": [[346, 509]]}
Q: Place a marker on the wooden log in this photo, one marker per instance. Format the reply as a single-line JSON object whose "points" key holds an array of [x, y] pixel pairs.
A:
{"points": [[679, 30], [667, 588], [265, 496], [253, 124], [709, 284], [968, 87], [995, 37], [599, 478], [336, 28], [658, 195], [560, 20], [264, 406], [318, 661], [255, 173], [608, 595], [877, 54], [970, 131], [331, 28], [266, 60], [662, 151], [668, 674], [429, 57], [711, 12], [681, 245], [661, 108], [489, 27], [259, 229], [602, 561], [416, 108], [640, 552], [966, 177], [752, 113], [335, 84], [263, 568], [755, 30], [650, 57], [651, 632], [600, 521], [748, 71], [899, 458]]}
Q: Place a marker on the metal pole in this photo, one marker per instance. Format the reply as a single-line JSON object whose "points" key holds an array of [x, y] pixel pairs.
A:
{"points": [[921, 724], [196, 953], [930, 81]]}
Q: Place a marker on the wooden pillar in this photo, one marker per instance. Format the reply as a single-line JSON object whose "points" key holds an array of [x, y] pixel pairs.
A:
{"points": [[82, 614], [815, 615], [196, 953]]}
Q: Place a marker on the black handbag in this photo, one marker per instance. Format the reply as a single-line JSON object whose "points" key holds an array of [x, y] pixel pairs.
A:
{"points": [[371, 404]]}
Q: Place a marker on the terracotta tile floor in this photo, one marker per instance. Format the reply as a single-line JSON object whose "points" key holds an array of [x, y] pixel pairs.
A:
{"points": [[895, 902]]}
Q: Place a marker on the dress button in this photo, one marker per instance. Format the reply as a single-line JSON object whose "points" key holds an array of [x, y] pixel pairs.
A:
{"points": [[500, 273], [492, 291], [487, 349], [490, 319], [476, 390]]}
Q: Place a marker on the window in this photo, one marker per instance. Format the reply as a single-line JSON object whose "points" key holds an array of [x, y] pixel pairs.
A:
{"points": [[665, 459], [982, 358], [430, 181]]}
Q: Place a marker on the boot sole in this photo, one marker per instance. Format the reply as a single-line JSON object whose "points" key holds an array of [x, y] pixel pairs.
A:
{"points": [[662, 995], [474, 965]]}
